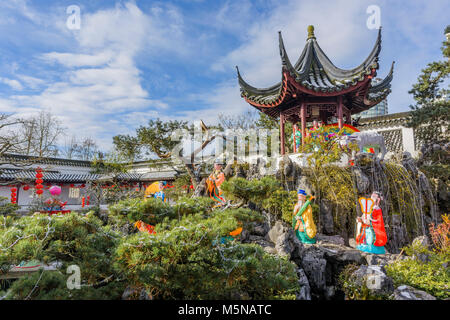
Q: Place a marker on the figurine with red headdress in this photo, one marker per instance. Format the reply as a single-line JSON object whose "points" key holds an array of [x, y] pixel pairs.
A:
{"points": [[371, 234]]}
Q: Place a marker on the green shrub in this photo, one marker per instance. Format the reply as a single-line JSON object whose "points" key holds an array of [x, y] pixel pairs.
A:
{"points": [[354, 290], [188, 205], [432, 276], [281, 204], [69, 239], [151, 211], [186, 260], [6, 207], [254, 191]]}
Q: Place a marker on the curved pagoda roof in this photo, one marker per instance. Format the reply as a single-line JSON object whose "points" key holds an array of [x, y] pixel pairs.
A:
{"points": [[314, 76]]}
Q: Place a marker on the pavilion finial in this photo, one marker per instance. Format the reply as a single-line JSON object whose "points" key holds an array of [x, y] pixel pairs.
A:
{"points": [[311, 32]]}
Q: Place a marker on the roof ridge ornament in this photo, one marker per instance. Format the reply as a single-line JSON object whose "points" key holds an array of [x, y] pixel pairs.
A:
{"points": [[311, 32]]}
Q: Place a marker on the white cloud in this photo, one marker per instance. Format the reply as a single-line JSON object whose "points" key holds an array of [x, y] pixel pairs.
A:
{"points": [[16, 85], [31, 82], [100, 81], [78, 59]]}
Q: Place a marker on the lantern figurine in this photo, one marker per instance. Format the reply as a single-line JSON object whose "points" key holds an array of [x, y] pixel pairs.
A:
{"points": [[371, 234]]}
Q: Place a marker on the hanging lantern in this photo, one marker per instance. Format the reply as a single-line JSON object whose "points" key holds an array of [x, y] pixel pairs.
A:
{"points": [[26, 187], [83, 185], [39, 181], [82, 202], [13, 195]]}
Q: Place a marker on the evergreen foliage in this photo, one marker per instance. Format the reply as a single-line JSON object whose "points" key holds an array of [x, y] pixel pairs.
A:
{"points": [[69, 239], [186, 259], [191, 255], [432, 108]]}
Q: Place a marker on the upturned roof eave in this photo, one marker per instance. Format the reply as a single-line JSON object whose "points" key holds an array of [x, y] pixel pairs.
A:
{"points": [[339, 79]]}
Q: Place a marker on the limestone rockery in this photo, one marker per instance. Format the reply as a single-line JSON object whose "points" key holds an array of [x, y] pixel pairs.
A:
{"points": [[319, 265]]}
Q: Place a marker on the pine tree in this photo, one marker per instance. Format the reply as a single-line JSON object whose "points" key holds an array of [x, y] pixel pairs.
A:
{"points": [[431, 113]]}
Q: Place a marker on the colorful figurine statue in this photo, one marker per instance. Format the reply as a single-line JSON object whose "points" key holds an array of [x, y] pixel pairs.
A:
{"points": [[371, 234], [144, 227], [297, 138], [215, 179], [160, 194], [302, 221], [155, 190]]}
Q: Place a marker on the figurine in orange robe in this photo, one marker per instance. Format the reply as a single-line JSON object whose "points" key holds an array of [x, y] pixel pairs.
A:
{"points": [[371, 234], [215, 179]]}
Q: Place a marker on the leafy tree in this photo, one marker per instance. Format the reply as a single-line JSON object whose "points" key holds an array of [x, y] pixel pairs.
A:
{"points": [[432, 108], [151, 140], [156, 141], [110, 166]]}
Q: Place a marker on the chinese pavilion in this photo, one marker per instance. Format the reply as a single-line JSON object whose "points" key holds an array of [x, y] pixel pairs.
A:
{"points": [[315, 89]]}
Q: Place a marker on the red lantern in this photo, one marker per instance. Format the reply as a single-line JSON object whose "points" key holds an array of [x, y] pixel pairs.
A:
{"points": [[72, 185], [39, 175], [83, 185], [39, 191], [26, 187], [39, 186], [13, 195], [39, 181]]}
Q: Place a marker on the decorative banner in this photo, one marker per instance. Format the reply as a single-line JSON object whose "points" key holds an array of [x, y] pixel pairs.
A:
{"points": [[332, 130]]}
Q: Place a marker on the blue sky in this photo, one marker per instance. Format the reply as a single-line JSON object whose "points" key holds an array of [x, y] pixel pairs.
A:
{"points": [[135, 60]]}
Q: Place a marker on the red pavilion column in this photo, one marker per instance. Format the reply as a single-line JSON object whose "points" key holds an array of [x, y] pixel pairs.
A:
{"points": [[340, 113], [348, 117], [293, 135], [283, 148], [303, 119]]}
